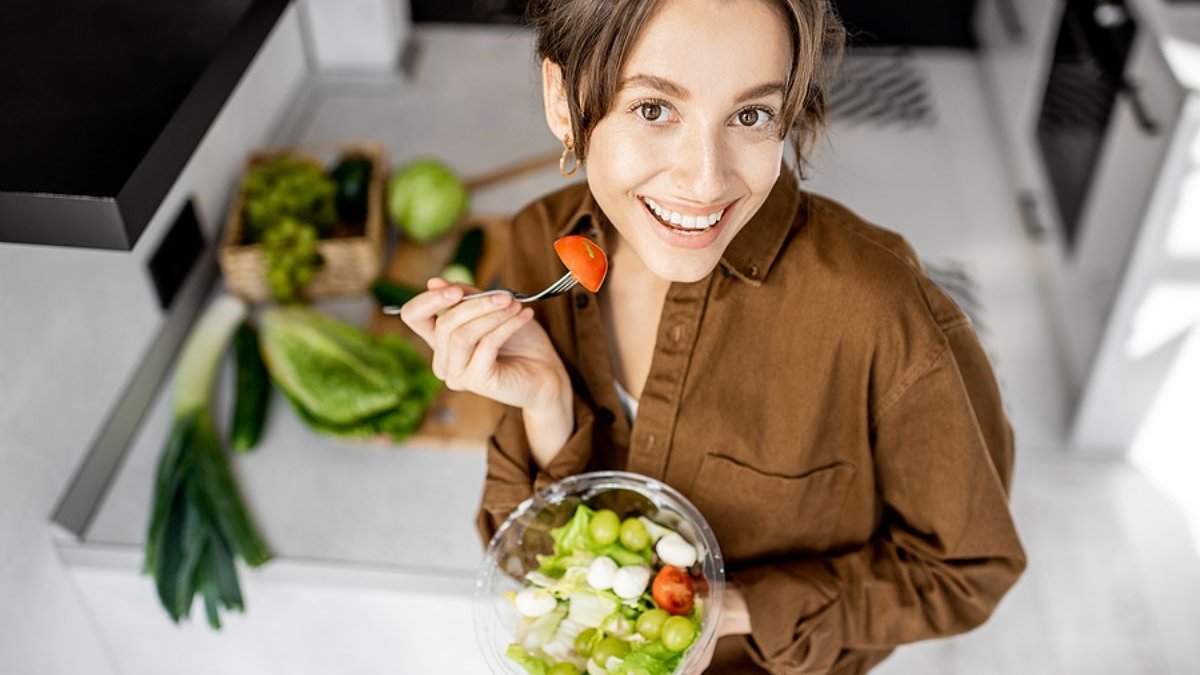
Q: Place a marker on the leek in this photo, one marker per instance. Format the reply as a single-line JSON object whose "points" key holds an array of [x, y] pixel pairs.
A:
{"points": [[198, 522]]}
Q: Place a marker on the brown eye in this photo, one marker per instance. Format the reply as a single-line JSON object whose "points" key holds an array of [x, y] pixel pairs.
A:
{"points": [[749, 117], [651, 112]]}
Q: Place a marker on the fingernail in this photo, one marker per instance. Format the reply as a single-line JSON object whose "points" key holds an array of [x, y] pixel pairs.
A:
{"points": [[499, 299], [449, 293]]}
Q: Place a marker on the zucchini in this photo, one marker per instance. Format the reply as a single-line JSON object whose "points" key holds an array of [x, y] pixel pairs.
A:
{"points": [[353, 179], [463, 266], [388, 293], [253, 391]]}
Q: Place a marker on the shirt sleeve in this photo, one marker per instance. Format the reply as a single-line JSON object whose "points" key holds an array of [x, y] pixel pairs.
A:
{"points": [[513, 476], [946, 550]]}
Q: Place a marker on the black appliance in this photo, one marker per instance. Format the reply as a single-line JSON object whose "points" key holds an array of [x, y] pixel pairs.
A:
{"points": [[1086, 77]]}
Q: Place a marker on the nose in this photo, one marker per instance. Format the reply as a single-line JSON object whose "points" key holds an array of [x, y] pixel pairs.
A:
{"points": [[700, 166]]}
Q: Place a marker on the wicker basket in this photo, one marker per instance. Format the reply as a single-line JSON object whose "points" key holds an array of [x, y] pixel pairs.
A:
{"points": [[351, 263]]}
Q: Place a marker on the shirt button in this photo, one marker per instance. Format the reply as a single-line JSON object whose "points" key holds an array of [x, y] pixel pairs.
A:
{"points": [[676, 333], [581, 300], [606, 416], [753, 271]]}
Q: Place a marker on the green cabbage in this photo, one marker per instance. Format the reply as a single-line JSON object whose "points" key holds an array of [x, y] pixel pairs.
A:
{"points": [[426, 199], [343, 381]]}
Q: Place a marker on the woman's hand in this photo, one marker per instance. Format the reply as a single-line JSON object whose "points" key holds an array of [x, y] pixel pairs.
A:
{"points": [[492, 347], [735, 620]]}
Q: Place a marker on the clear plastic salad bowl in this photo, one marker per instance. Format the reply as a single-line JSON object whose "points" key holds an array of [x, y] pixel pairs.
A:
{"points": [[526, 534]]}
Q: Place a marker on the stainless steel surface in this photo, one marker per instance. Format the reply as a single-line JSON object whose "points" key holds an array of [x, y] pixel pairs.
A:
{"points": [[565, 283]]}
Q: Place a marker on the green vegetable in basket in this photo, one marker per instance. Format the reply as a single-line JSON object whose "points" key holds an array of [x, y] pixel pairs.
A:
{"points": [[353, 178], [198, 523], [290, 250], [287, 187], [425, 199], [342, 380]]}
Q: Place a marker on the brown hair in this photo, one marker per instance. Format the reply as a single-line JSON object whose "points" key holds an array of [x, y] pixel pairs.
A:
{"points": [[591, 40]]}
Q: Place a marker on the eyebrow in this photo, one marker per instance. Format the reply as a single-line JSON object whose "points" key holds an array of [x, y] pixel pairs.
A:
{"points": [[679, 91]]}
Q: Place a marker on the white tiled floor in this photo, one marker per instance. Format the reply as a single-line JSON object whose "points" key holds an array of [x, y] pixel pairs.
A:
{"points": [[1113, 584]]}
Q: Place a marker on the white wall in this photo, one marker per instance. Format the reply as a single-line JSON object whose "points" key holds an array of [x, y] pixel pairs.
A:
{"points": [[73, 325]]}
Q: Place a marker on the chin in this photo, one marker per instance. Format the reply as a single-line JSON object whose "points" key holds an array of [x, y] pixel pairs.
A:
{"points": [[686, 274]]}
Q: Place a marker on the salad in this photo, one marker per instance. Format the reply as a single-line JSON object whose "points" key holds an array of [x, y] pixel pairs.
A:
{"points": [[616, 597]]}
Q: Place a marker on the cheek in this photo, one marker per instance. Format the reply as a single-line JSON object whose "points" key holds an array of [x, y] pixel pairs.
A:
{"points": [[759, 163], [619, 161]]}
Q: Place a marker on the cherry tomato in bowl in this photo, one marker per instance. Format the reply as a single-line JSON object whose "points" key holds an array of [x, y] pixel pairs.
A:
{"points": [[673, 590], [586, 261]]}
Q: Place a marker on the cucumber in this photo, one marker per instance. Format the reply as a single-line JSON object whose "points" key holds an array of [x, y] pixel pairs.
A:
{"points": [[388, 293], [353, 179], [253, 391], [462, 267]]}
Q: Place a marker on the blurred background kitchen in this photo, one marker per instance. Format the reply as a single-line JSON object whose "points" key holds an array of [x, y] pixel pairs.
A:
{"points": [[1043, 156]]}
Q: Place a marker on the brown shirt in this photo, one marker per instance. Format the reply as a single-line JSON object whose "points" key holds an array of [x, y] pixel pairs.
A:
{"points": [[823, 403]]}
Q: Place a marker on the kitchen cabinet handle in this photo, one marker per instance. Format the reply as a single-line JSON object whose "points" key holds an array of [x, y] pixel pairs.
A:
{"points": [[1027, 204], [1011, 19], [1145, 120]]}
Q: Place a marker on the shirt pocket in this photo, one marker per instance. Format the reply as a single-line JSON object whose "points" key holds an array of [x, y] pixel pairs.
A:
{"points": [[756, 514]]}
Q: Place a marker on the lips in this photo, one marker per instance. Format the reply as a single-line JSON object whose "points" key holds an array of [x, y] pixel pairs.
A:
{"points": [[683, 221], [676, 235]]}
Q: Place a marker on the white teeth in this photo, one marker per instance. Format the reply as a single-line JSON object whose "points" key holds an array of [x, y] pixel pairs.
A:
{"points": [[684, 221]]}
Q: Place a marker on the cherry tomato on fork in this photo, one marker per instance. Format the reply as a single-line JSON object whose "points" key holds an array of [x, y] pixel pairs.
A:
{"points": [[586, 261]]}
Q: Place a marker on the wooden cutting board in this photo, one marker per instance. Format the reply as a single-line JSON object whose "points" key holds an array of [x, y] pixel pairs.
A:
{"points": [[458, 421]]}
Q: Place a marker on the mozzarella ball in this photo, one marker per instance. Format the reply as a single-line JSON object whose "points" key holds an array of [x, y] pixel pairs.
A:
{"points": [[630, 582], [674, 550], [535, 602], [601, 573]]}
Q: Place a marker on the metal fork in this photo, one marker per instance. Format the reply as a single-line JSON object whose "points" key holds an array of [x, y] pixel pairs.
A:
{"points": [[564, 284]]}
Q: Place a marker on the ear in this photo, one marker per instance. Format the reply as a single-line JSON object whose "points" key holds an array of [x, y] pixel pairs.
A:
{"points": [[554, 96]]}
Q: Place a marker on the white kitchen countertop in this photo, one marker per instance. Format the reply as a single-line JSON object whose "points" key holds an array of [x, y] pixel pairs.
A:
{"points": [[325, 500]]}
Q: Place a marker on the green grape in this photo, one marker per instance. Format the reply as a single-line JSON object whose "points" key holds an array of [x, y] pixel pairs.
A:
{"points": [[650, 623], [677, 633], [634, 535], [605, 527], [563, 668], [583, 641], [609, 647]]}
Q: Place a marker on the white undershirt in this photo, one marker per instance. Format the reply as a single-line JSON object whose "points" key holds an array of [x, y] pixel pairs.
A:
{"points": [[628, 402]]}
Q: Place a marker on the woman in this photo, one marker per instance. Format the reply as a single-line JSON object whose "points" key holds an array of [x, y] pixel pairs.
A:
{"points": [[785, 365]]}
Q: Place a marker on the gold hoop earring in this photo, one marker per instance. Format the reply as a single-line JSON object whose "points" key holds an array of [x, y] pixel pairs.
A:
{"points": [[568, 149]]}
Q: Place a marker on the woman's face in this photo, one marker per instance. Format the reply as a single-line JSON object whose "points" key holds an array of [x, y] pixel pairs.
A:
{"points": [[692, 138]]}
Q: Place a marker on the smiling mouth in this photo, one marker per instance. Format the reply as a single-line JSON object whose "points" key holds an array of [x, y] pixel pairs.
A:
{"points": [[684, 224]]}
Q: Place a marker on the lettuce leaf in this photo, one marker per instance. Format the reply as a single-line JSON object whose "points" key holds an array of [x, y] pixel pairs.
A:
{"points": [[343, 381], [651, 658], [532, 664]]}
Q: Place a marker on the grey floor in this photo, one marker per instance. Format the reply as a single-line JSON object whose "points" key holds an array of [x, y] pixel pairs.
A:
{"points": [[1113, 584]]}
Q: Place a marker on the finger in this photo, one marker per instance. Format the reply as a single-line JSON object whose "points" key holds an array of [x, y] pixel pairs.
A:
{"points": [[483, 359], [464, 341], [420, 313], [460, 314], [435, 283]]}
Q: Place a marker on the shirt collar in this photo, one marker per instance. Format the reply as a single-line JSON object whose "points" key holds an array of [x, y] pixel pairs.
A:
{"points": [[752, 252]]}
